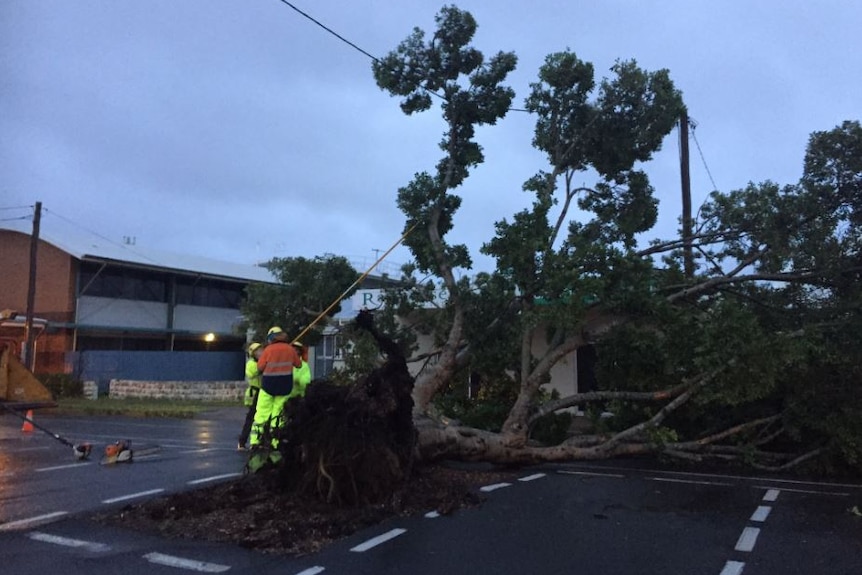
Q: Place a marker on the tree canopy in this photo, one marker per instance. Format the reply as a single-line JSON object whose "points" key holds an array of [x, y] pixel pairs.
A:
{"points": [[751, 358]]}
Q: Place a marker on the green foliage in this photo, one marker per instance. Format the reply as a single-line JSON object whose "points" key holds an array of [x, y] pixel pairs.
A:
{"points": [[307, 288], [552, 429], [62, 385], [471, 93]]}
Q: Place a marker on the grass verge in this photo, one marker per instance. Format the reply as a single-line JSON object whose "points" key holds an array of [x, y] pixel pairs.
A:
{"points": [[182, 409]]}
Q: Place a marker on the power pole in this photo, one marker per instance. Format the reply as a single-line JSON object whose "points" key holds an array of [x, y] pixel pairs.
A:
{"points": [[29, 356], [688, 256]]}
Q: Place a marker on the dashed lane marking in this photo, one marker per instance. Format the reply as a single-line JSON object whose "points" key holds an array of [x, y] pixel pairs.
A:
{"points": [[732, 568], [133, 496], [747, 539], [32, 521], [213, 478], [312, 571], [532, 477], [182, 563], [67, 466], [494, 487], [689, 481], [593, 474], [432, 515], [68, 542], [375, 541], [761, 513], [771, 494]]}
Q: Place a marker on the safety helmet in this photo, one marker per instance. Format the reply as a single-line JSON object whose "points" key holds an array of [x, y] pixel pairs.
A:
{"points": [[253, 347], [274, 330], [297, 344]]}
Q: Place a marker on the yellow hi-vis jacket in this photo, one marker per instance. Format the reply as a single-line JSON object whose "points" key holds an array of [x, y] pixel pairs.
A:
{"points": [[252, 378], [301, 379]]}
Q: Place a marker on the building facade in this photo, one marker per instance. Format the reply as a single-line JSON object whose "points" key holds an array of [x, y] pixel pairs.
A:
{"points": [[98, 296]]}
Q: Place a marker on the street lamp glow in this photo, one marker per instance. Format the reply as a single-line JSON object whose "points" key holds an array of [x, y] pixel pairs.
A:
{"points": [[210, 337]]}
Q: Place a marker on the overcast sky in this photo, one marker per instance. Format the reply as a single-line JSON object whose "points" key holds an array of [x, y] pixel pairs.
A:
{"points": [[240, 130]]}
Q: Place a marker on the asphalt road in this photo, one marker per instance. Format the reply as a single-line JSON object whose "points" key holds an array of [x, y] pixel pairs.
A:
{"points": [[572, 519]]}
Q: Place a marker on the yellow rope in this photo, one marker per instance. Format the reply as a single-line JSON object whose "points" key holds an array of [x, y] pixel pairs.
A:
{"points": [[354, 284]]}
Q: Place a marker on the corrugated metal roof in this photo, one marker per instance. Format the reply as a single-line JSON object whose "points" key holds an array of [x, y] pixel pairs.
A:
{"points": [[94, 248]]}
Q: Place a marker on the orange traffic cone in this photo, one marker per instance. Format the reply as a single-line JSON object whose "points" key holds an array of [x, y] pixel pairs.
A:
{"points": [[28, 423]]}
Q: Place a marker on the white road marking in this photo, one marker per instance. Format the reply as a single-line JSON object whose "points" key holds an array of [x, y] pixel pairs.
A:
{"points": [[592, 474], [494, 487], [375, 541], [432, 515], [181, 563], [771, 494], [67, 542], [56, 467], [32, 521], [761, 513], [810, 491], [690, 473], [213, 478], [689, 481], [532, 477], [312, 571], [133, 495], [200, 450], [732, 568], [747, 539]]}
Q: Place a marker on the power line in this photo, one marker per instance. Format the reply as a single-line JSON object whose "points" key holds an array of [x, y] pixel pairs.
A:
{"points": [[361, 50], [98, 235], [3, 208], [699, 151], [14, 219], [330, 30]]}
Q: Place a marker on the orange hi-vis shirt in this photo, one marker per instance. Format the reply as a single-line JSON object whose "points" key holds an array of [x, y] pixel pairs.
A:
{"points": [[276, 365]]}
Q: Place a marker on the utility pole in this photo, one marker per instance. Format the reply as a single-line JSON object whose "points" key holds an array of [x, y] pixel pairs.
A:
{"points": [[29, 356], [688, 256]]}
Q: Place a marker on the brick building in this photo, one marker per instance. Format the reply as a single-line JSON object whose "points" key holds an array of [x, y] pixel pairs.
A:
{"points": [[96, 295]]}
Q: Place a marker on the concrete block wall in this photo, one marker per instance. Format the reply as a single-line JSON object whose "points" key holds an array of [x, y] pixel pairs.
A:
{"points": [[91, 390], [180, 390]]}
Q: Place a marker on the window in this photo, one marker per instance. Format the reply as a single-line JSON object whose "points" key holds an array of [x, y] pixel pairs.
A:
{"points": [[119, 283], [210, 293]]}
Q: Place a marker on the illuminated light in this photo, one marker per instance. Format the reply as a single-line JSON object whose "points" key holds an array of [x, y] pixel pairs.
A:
{"points": [[210, 337]]}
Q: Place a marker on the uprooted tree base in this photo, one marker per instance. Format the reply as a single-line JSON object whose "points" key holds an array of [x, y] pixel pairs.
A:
{"points": [[346, 462], [350, 445]]}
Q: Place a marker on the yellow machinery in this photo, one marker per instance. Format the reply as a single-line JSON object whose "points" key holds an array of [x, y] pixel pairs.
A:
{"points": [[19, 388]]}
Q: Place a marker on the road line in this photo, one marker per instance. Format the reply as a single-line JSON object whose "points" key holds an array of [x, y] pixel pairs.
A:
{"points": [[133, 495], [67, 542], [761, 479], [56, 467], [199, 450], [809, 491], [432, 515], [771, 494], [181, 563], [375, 541], [32, 521], [494, 487], [532, 477], [761, 513], [689, 481], [213, 478], [732, 568], [312, 571], [592, 474], [747, 539]]}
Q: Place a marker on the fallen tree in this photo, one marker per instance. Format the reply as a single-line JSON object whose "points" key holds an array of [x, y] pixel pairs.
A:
{"points": [[750, 356]]}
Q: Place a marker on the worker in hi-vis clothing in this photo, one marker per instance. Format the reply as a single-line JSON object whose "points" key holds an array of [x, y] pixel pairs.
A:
{"points": [[301, 375], [276, 365], [252, 379]]}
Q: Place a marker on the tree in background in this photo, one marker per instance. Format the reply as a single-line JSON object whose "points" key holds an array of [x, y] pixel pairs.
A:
{"points": [[306, 288]]}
